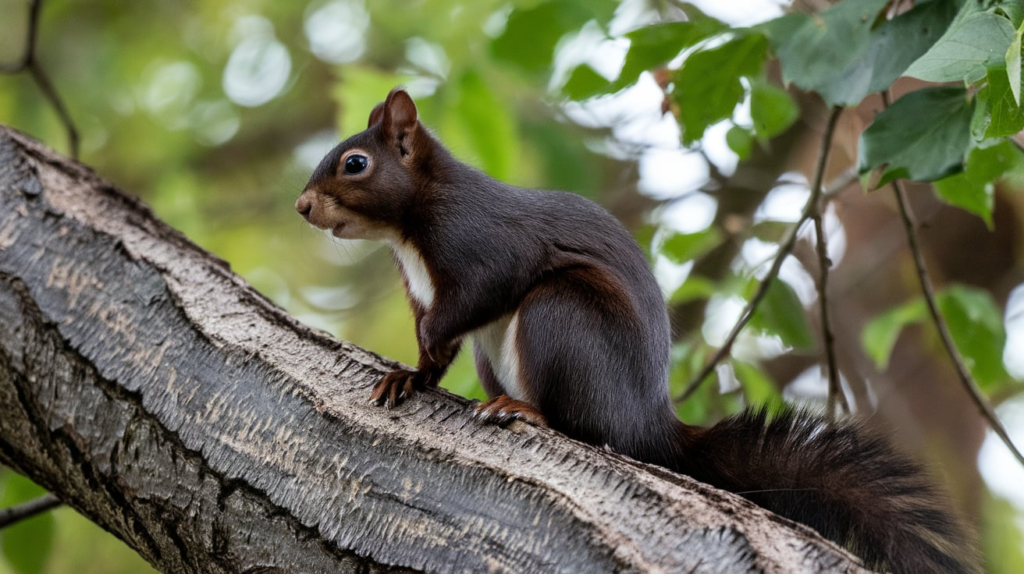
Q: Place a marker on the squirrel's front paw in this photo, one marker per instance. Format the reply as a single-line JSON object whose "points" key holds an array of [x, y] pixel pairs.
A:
{"points": [[395, 387], [502, 410]]}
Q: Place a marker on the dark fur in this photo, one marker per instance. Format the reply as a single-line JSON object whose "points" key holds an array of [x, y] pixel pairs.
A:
{"points": [[594, 342]]}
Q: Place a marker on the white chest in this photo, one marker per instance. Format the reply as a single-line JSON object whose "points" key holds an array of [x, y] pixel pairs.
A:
{"points": [[421, 287], [497, 340]]}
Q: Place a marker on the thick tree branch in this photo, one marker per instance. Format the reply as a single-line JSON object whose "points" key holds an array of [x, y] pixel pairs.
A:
{"points": [[152, 390]]}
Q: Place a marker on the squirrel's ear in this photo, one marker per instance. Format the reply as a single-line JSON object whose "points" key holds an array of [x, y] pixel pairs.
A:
{"points": [[400, 120], [375, 115]]}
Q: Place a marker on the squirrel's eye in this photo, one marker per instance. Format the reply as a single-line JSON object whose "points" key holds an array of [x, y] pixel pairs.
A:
{"points": [[356, 163]]}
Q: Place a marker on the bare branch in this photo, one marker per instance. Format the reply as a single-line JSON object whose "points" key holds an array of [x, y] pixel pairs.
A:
{"points": [[839, 183], [31, 64], [835, 391], [986, 410], [928, 291], [785, 249], [15, 514]]}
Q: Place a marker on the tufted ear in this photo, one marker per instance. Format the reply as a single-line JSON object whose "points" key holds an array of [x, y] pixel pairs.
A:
{"points": [[375, 115], [400, 121]]}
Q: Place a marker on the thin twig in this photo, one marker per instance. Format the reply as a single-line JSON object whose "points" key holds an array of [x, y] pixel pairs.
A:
{"points": [[15, 514], [839, 183], [785, 249], [964, 375], [835, 391], [928, 291], [30, 63], [43, 81]]}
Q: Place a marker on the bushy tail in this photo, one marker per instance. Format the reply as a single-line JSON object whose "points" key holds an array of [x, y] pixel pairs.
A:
{"points": [[840, 479]]}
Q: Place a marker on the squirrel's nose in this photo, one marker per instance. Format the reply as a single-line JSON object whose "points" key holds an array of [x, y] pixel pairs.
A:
{"points": [[303, 205]]}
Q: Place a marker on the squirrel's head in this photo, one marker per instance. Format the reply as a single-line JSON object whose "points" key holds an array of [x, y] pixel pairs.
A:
{"points": [[363, 188]]}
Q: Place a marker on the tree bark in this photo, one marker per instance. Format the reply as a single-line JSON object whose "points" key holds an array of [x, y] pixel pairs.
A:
{"points": [[159, 395]]}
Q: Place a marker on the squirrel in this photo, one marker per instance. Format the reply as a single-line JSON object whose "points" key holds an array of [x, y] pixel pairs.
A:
{"points": [[570, 330]]}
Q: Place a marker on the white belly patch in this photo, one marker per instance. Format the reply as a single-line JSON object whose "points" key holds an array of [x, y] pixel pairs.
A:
{"points": [[497, 340], [420, 285]]}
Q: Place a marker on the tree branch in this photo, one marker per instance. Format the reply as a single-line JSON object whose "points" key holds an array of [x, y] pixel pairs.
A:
{"points": [[30, 63], [966, 380], [15, 514], [986, 410], [785, 248], [156, 393], [835, 391]]}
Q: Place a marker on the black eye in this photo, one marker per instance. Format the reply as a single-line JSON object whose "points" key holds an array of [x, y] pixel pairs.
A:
{"points": [[356, 163]]}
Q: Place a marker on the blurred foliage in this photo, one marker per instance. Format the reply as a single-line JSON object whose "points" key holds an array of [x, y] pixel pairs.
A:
{"points": [[215, 113]]}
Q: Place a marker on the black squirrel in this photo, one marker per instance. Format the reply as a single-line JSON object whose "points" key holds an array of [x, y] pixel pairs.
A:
{"points": [[570, 330]]}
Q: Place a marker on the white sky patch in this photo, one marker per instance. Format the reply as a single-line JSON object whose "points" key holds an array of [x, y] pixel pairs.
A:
{"points": [[309, 153], [718, 150], [689, 214], [800, 280], [671, 172], [258, 68], [783, 203], [746, 13], [670, 275], [428, 56], [722, 314], [1003, 474], [337, 31], [1013, 353]]}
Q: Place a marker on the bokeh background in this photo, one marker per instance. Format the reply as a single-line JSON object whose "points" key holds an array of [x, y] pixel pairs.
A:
{"points": [[215, 112]]}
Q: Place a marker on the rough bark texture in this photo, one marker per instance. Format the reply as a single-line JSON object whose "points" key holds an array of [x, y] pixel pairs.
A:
{"points": [[159, 395]]}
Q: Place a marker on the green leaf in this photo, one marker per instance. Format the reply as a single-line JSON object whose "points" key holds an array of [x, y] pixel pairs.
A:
{"points": [[976, 325], [708, 84], [26, 545], [656, 45], [694, 288], [970, 45], [974, 322], [771, 231], [892, 47], [923, 136], [973, 189], [476, 120], [1013, 54], [1014, 175], [758, 387], [683, 247], [644, 236], [1014, 10], [961, 191], [360, 89], [771, 108], [782, 314], [584, 83], [816, 51], [879, 336], [740, 141], [530, 35], [1002, 115]]}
